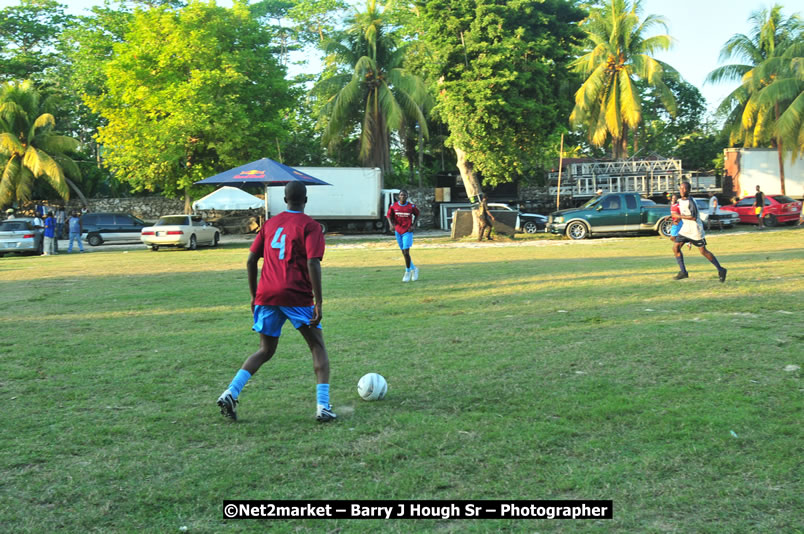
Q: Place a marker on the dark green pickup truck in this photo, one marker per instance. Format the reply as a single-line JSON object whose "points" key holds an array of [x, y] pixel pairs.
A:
{"points": [[614, 213]]}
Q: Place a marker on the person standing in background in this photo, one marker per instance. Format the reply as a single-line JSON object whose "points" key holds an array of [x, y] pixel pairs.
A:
{"points": [[759, 208]]}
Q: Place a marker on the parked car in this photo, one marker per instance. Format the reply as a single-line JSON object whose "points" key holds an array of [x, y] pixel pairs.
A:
{"points": [[778, 209], [100, 228], [530, 223], [722, 218], [186, 231], [614, 213], [20, 235]]}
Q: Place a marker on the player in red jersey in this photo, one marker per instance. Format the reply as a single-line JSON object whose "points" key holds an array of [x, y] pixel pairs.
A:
{"points": [[401, 216], [291, 246]]}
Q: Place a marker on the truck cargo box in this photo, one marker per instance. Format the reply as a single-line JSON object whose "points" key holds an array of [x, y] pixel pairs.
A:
{"points": [[355, 194]]}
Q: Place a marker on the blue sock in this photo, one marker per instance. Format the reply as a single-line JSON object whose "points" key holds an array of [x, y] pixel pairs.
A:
{"points": [[238, 382], [715, 262], [322, 394], [680, 260]]}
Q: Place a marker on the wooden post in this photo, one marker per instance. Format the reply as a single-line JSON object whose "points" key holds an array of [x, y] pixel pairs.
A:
{"points": [[560, 165]]}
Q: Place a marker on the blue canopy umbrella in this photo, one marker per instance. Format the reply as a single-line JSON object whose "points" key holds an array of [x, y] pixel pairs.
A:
{"points": [[263, 171]]}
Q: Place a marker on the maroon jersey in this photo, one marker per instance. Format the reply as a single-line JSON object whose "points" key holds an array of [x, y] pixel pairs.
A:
{"points": [[286, 242], [402, 215]]}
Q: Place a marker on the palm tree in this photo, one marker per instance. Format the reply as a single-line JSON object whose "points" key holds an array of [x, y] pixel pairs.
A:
{"points": [[755, 107], [378, 93], [784, 95], [29, 148], [609, 102]]}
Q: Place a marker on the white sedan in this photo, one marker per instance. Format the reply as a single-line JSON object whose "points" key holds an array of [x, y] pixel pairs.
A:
{"points": [[187, 231]]}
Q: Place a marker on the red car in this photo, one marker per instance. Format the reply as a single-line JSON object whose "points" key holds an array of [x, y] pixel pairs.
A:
{"points": [[778, 209]]}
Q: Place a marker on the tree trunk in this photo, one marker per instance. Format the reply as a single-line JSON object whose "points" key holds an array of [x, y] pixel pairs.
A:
{"points": [[187, 201], [780, 151], [470, 182], [781, 163], [77, 192], [421, 155], [624, 143]]}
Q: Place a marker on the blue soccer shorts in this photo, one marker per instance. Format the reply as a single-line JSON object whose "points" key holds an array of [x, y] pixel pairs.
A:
{"points": [[268, 320], [405, 241]]}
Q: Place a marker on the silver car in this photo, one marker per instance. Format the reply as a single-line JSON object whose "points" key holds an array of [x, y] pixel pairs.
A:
{"points": [[721, 217], [20, 235]]}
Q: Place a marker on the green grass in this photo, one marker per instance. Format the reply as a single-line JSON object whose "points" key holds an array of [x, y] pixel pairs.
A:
{"points": [[546, 370]]}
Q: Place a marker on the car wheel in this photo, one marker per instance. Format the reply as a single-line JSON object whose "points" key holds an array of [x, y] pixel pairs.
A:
{"points": [[530, 227], [577, 230], [94, 240], [665, 227], [154, 248], [323, 228], [193, 244], [770, 220], [216, 239]]}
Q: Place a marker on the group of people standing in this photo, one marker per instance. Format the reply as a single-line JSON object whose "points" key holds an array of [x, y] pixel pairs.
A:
{"points": [[52, 226]]}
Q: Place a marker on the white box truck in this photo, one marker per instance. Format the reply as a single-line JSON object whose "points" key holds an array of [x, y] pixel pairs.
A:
{"points": [[355, 198], [751, 167]]}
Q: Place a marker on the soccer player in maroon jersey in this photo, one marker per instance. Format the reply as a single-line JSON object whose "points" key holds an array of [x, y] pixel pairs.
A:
{"points": [[291, 246], [401, 216]]}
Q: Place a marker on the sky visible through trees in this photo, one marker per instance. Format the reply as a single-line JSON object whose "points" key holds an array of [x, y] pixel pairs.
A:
{"points": [[700, 29]]}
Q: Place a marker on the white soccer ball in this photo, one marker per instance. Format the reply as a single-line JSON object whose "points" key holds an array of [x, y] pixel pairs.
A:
{"points": [[372, 387]]}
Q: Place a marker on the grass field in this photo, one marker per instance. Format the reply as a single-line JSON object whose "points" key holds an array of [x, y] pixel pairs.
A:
{"points": [[537, 370]]}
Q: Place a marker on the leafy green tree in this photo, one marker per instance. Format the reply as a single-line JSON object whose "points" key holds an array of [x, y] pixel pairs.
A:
{"points": [[660, 130], [768, 55], [30, 147], [502, 82], [377, 92], [608, 103], [189, 93], [28, 35]]}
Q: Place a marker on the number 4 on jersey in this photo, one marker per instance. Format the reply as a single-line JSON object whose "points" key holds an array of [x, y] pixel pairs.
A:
{"points": [[278, 242]]}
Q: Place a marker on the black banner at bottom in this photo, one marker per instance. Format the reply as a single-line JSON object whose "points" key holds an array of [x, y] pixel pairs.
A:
{"points": [[343, 509]]}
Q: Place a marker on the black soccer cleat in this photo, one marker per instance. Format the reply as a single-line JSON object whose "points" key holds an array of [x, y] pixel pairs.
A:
{"points": [[681, 276], [722, 275], [228, 405]]}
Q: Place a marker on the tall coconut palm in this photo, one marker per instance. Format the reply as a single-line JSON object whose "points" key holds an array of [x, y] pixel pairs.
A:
{"points": [[784, 95], [771, 34], [29, 148], [608, 103], [378, 94], [767, 77]]}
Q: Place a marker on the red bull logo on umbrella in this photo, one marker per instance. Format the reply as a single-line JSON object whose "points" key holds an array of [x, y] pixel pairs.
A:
{"points": [[250, 175]]}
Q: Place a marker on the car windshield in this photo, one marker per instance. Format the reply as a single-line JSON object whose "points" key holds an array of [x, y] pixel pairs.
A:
{"points": [[177, 220], [781, 199], [591, 202], [647, 202]]}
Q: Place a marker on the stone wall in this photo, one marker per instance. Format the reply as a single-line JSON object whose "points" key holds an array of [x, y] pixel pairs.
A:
{"points": [[150, 208], [424, 198]]}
